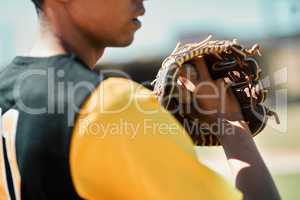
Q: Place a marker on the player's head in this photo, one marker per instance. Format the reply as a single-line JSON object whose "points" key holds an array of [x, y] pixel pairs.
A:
{"points": [[101, 22]]}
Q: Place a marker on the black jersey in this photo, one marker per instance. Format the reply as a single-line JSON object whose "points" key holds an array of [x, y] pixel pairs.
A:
{"points": [[47, 93]]}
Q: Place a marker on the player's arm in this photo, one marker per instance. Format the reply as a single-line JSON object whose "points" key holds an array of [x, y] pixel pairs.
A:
{"points": [[128, 147], [251, 174]]}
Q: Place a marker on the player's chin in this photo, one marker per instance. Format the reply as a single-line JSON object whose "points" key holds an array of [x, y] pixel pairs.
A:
{"points": [[124, 41]]}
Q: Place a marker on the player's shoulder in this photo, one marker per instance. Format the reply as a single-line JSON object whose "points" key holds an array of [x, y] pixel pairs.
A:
{"points": [[122, 87], [32, 80], [69, 68], [116, 94]]}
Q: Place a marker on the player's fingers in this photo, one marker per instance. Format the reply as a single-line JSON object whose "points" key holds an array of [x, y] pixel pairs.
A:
{"points": [[188, 77], [186, 83], [202, 69]]}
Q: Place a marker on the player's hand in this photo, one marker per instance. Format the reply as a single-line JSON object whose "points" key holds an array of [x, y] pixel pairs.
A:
{"points": [[213, 99]]}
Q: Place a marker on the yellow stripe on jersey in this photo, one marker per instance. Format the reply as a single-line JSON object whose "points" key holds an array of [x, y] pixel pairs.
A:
{"points": [[4, 193], [126, 146], [10, 120]]}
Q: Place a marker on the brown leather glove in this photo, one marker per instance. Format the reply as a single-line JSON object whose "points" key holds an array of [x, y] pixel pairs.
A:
{"points": [[178, 80]]}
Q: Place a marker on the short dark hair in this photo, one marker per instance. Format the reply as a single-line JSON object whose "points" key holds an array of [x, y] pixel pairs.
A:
{"points": [[38, 3]]}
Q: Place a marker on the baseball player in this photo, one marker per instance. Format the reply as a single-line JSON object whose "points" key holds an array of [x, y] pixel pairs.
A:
{"points": [[69, 134]]}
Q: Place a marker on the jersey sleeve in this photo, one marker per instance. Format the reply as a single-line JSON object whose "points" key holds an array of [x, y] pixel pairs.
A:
{"points": [[126, 146]]}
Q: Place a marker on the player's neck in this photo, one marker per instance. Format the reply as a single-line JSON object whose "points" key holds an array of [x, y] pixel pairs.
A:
{"points": [[49, 43]]}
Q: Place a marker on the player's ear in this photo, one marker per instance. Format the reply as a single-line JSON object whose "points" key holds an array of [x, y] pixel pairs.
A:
{"points": [[55, 5]]}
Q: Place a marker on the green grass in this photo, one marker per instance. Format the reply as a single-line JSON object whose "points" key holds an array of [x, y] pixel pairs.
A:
{"points": [[288, 186], [270, 138]]}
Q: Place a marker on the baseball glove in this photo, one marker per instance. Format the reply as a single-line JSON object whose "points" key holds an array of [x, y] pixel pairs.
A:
{"points": [[226, 60]]}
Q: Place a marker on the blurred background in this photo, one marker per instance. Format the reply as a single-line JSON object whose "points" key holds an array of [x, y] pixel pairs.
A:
{"points": [[274, 24]]}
